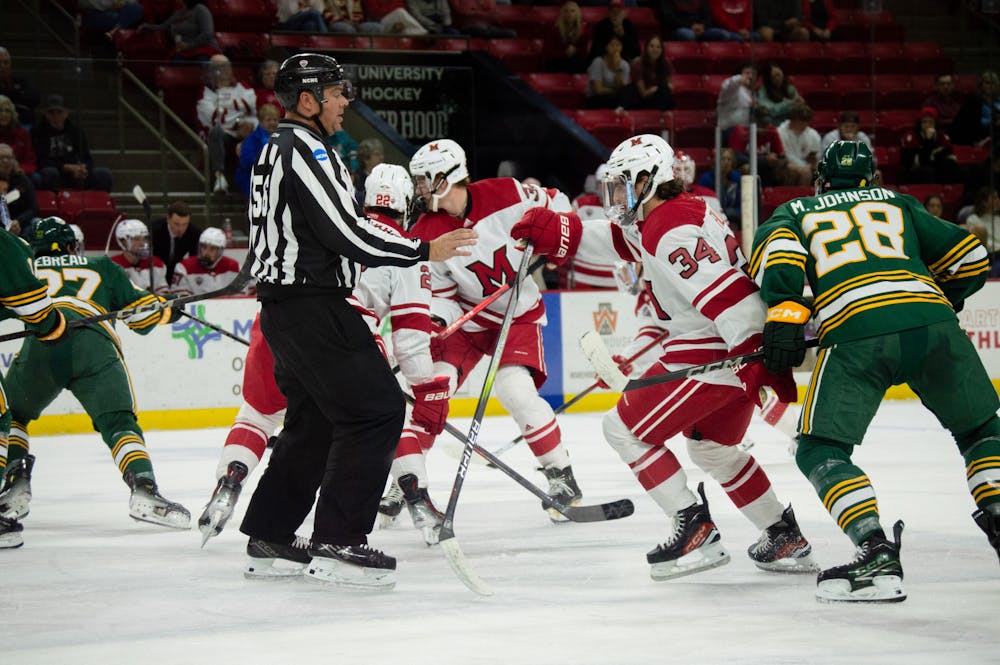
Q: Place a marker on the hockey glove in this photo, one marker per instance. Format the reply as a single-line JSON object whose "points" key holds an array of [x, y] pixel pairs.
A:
{"points": [[785, 334], [754, 375], [437, 344], [555, 235], [430, 405]]}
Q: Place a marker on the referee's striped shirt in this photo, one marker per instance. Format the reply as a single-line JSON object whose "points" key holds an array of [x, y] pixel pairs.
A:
{"points": [[307, 232]]}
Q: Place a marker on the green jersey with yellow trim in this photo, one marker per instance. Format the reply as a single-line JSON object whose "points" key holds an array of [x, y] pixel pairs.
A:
{"points": [[84, 286], [21, 293], [875, 260]]}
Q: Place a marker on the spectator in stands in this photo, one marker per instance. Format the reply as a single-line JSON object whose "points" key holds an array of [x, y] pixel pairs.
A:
{"points": [[615, 24], [651, 74], [776, 93], [607, 77], [348, 17], [394, 18], [175, 237], [266, 75], [109, 16], [802, 145], [566, 42], [346, 147], [772, 165], [818, 19], [925, 152], [944, 100], [780, 20], [371, 153], [301, 16], [17, 88], [984, 221], [227, 112], [433, 15], [979, 116], [848, 129], [192, 30], [249, 150], [736, 98], [25, 208], [16, 136], [63, 154], [934, 204], [735, 18], [689, 20], [729, 193]]}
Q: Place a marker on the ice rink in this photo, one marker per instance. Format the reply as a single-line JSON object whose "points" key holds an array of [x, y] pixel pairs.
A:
{"points": [[92, 586]]}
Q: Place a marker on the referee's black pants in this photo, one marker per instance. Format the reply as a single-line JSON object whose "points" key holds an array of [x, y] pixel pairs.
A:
{"points": [[345, 415]]}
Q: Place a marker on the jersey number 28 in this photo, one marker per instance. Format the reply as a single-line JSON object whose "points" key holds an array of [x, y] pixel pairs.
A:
{"points": [[880, 226]]}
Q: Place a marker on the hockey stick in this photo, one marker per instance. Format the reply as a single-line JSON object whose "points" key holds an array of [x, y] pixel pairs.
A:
{"points": [[460, 321], [600, 358], [446, 538], [140, 196], [586, 391], [218, 329], [235, 286]]}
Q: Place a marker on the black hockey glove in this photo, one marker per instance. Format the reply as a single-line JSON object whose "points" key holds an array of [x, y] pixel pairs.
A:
{"points": [[784, 337]]}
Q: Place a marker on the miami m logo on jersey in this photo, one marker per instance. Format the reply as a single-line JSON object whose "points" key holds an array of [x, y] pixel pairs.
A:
{"points": [[492, 277]]}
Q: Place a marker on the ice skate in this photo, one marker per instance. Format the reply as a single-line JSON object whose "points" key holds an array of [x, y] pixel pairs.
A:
{"points": [[695, 544], [352, 566], [267, 560], [875, 575], [148, 505], [562, 488], [220, 506], [782, 548], [990, 524], [10, 534], [390, 506], [16, 495], [425, 516]]}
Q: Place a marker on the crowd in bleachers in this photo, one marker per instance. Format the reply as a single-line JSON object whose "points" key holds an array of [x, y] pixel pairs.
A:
{"points": [[806, 72]]}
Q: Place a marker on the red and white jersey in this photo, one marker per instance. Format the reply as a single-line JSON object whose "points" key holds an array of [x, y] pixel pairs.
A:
{"points": [[462, 282], [693, 268], [139, 273], [404, 296], [225, 105], [191, 278]]}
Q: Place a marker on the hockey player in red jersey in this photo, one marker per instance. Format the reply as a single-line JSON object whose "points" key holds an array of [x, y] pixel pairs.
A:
{"points": [[402, 293], [491, 207], [210, 270], [693, 272], [133, 238]]}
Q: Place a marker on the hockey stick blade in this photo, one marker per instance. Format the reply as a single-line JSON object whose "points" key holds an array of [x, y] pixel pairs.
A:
{"points": [[460, 566], [600, 359]]}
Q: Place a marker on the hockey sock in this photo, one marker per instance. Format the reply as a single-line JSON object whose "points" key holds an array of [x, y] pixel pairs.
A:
{"points": [[123, 437], [5, 421], [516, 392], [411, 463], [3, 456], [844, 489], [744, 482], [655, 467], [982, 469], [17, 442]]}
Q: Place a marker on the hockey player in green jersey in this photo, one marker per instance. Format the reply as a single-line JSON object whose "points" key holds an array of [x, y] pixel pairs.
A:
{"points": [[88, 362], [23, 296], [887, 279]]}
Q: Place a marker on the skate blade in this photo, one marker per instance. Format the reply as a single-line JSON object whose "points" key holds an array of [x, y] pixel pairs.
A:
{"points": [[386, 521], [175, 519], [789, 565], [212, 526], [11, 541], [272, 569], [430, 534], [883, 589], [703, 558], [350, 576]]}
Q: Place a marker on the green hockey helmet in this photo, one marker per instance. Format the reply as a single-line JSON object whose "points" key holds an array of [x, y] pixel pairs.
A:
{"points": [[51, 235], [846, 165]]}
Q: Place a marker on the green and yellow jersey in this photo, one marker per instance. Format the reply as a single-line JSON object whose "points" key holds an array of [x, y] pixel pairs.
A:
{"points": [[875, 260], [22, 294]]}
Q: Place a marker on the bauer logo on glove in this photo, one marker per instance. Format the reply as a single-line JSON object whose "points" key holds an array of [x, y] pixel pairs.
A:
{"points": [[552, 234]]}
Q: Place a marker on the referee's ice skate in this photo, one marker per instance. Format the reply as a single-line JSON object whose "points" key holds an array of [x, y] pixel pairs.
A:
{"points": [[352, 566]]}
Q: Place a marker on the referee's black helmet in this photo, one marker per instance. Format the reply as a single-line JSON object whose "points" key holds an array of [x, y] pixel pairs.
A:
{"points": [[311, 72]]}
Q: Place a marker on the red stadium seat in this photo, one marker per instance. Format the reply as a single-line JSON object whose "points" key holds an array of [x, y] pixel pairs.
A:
{"points": [[724, 57], [702, 157], [645, 21], [850, 56], [824, 119], [381, 43], [299, 41], [686, 57], [693, 129], [243, 46], [772, 197], [713, 82], [563, 90], [764, 51], [895, 91], [969, 155], [804, 58], [900, 120], [647, 121], [442, 44], [951, 195], [332, 42], [517, 54], [606, 125], [182, 86], [929, 57], [887, 160], [243, 15], [47, 204]]}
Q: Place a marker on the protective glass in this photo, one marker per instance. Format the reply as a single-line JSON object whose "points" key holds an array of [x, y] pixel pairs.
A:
{"points": [[618, 198]]}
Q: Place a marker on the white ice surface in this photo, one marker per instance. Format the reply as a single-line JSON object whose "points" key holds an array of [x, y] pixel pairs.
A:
{"points": [[92, 586]]}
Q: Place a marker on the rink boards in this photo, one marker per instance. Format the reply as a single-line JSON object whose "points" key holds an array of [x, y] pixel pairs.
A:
{"points": [[188, 376]]}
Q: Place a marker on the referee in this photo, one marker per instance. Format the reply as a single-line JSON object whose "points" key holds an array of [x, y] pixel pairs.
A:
{"points": [[309, 242]]}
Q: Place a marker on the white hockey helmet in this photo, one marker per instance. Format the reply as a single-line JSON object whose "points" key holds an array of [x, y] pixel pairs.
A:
{"points": [[684, 168], [213, 237], [642, 155], [78, 232], [133, 237], [389, 186], [438, 162]]}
